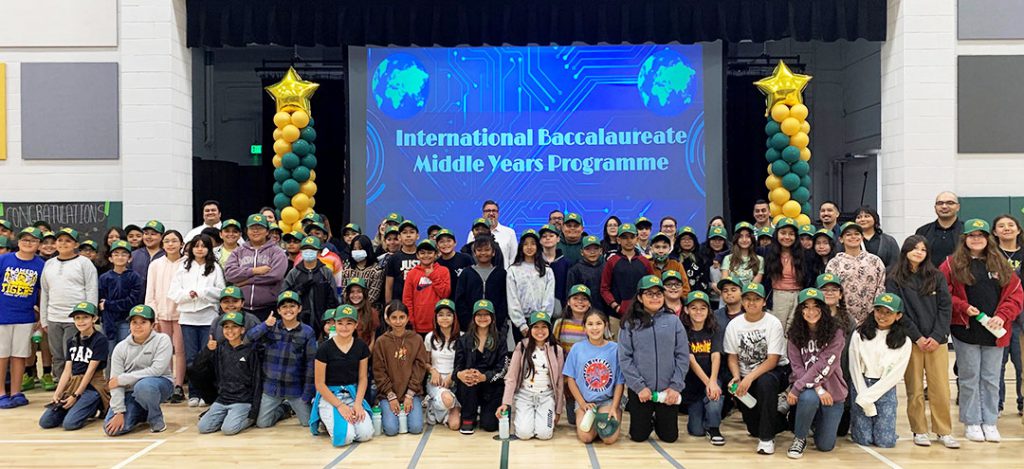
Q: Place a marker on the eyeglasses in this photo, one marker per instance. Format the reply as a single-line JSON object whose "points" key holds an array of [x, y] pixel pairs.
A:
{"points": [[673, 286], [948, 203], [491, 210], [653, 294]]}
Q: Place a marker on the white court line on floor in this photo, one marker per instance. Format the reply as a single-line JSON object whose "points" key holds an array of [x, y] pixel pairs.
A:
{"points": [[182, 429], [138, 454], [105, 440], [883, 459]]}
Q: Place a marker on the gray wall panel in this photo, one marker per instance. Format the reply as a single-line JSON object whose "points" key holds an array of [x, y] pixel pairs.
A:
{"points": [[69, 111], [990, 107], [990, 19]]}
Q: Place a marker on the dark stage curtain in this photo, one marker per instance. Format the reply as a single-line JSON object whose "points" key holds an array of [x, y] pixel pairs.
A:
{"points": [[218, 23]]}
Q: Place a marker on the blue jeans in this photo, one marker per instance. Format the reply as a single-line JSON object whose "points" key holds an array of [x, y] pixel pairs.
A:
{"points": [[704, 414], [825, 418], [142, 404], [979, 382], [1012, 354], [271, 410], [229, 418], [390, 421], [195, 338], [879, 430], [75, 417]]}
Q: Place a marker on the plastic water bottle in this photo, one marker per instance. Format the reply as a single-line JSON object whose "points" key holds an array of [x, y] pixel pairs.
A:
{"points": [[588, 419], [332, 332], [986, 321], [403, 419], [661, 397], [503, 425], [378, 426], [746, 399], [37, 337]]}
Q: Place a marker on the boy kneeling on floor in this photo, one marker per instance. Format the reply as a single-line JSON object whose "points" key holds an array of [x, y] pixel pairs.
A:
{"points": [[236, 363], [82, 390]]}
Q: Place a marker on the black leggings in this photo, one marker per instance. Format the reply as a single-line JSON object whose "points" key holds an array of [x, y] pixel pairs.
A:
{"points": [[486, 396], [645, 416], [764, 421]]}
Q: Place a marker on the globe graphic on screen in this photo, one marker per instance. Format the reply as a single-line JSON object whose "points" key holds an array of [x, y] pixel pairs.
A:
{"points": [[664, 82], [400, 86]]}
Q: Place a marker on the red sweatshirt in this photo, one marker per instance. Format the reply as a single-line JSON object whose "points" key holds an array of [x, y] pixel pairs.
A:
{"points": [[421, 299], [1010, 300]]}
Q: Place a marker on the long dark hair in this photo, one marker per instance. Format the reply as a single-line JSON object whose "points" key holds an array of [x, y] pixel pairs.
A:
{"points": [[492, 332], [800, 332], [209, 260], [439, 339], [527, 369], [773, 257], [843, 318], [104, 260], [683, 254], [897, 333], [604, 229], [1007, 216], [636, 317], [366, 245], [866, 209], [175, 233], [369, 318], [710, 324], [901, 272], [752, 262], [538, 258], [960, 262]]}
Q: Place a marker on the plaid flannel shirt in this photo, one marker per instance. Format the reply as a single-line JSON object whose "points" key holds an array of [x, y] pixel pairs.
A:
{"points": [[288, 365]]}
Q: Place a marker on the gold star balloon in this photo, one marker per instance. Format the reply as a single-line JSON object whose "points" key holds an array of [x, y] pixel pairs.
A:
{"points": [[292, 92], [783, 86]]}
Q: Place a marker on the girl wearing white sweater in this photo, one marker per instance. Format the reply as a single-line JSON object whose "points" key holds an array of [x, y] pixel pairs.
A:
{"points": [[530, 285], [195, 289], [879, 353]]}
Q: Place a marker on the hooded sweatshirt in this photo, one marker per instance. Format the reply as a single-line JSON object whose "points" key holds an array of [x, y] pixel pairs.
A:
{"points": [[399, 364], [656, 357], [814, 367], [64, 284], [131, 362], [421, 293], [202, 309], [471, 287], [161, 273], [514, 377], [260, 291]]}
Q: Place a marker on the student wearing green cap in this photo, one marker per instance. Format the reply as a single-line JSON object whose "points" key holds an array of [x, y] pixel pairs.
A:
{"points": [[341, 377], [610, 234], [442, 407], [87, 249], [530, 285], [823, 250], [806, 237], [390, 245], [236, 365], [482, 228], [356, 294], [675, 300], [661, 257], [157, 284], [151, 248], [533, 383], [400, 364], [314, 282], [594, 380], [82, 390], [879, 353], [643, 234], [6, 229], [425, 285], [863, 273], [622, 271], [703, 392], [133, 234], [743, 263], [981, 282], [401, 263], [140, 376], [484, 280], [48, 248], [19, 294], [5, 245], [350, 232], [328, 253], [119, 290], [480, 367], [451, 259], [231, 237], [290, 348], [571, 231], [363, 263], [587, 271], [784, 270], [765, 234], [67, 280], [710, 256], [569, 329], [503, 235], [695, 270], [257, 267], [291, 242]]}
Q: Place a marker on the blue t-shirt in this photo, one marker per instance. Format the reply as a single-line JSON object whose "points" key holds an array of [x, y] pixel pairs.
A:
{"points": [[595, 369], [19, 290], [83, 350]]}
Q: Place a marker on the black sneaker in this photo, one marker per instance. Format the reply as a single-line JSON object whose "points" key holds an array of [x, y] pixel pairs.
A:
{"points": [[178, 397], [715, 436], [796, 451], [467, 427]]}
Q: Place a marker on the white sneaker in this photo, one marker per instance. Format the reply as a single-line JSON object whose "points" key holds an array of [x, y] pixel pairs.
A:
{"points": [[974, 433], [193, 402], [203, 403], [948, 441], [991, 433], [921, 439], [766, 447]]}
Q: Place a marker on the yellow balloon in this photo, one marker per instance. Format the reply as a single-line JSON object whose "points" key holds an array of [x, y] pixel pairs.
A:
{"points": [[300, 119], [799, 112], [300, 201], [774, 208], [803, 220], [307, 211], [790, 126], [779, 195], [289, 215], [308, 188], [282, 119], [780, 112], [312, 202], [312, 175], [277, 134], [277, 161], [281, 147], [775, 221], [290, 133], [772, 182], [805, 154], [791, 209], [805, 127], [800, 140], [770, 173], [285, 227]]}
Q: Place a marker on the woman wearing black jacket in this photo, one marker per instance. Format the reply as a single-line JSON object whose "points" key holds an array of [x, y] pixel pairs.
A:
{"points": [[481, 359], [697, 271]]}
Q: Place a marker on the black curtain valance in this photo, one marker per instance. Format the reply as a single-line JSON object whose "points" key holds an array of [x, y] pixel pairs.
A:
{"points": [[218, 23]]}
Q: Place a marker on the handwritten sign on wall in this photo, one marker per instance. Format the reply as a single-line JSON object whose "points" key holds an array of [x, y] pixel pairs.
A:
{"points": [[91, 219]]}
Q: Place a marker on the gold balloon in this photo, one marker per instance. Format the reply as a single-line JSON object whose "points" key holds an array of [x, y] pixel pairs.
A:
{"points": [[300, 201], [772, 182], [300, 119], [285, 227], [290, 133], [803, 220], [282, 119], [783, 86], [277, 163], [805, 154], [307, 212], [800, 111], [775, 221], [312, 202], [774, 208], [292, 92], [779, 195], [791, 209], [790, 126], [289, 215], [281, 147], [312, 175], [277, 134], [805, 127], [800, 140], [780, 112]]}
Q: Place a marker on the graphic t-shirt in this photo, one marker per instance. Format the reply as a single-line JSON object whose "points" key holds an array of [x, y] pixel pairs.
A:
{"points": [[754, 341], [595, 370], [19, 288], [399, 265], [82, 350], [702, 344]]}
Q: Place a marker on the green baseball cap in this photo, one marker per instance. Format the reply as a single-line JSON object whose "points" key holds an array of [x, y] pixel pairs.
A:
{"points": [[288, 295], [426, 244], [444, 232], [231, 292], [850, 226], [84, 307], [355, 281], [648, 282], [787, 222], [766, 231], [671, 274], [6, 224], [329, 314], [891, 301], [729, 279], [275, 227], [717, 232], [346, 312], [70, 232], [697, 295], [31, 231], [540, 316], [744, 226], [353, 227], [591, 241], [810, 294], [235, 317], [444, 303], [687, 230], [313, 217], [154, 225], [579, 289], [49, 234], [976, 224], [627, 228], [311, 242], [548, 229], [807, 230], [407, 223], [294, 235], [483, 305], [121, 244], [481, 222], [230, 223], [643, 221], [660, 236], [142, 311], [755, 288], [314, 225], [391, 230], [828, 278], [257, 219], [90, 244], [825, 232], [572, 217], [394, 217], [532, 233]]}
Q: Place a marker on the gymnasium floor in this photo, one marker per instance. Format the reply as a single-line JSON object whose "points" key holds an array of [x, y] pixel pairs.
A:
{"points": [[24, 444]]}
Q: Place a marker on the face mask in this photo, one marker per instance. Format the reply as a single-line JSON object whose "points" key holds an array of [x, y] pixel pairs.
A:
{"points": [[359, 255], [660, 257], [308, 255]]}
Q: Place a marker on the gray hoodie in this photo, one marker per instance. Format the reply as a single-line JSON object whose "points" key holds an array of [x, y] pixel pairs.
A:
{"points": [[656, 357], [132, 361]]}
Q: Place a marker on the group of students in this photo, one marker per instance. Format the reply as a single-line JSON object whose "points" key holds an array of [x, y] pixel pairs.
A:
{"points": [[808, 331]]}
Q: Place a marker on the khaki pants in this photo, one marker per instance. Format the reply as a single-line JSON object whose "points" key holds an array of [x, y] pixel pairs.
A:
{"points": [[934, 365], [614, 324], [783, 307]]}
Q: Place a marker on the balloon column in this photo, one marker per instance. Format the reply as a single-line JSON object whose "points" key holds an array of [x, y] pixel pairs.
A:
{"points": [[294, 150], [789, 180]]}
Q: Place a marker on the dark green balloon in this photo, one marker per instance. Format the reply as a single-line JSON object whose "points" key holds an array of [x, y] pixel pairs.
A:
{"points": [[290, 161], [780, 168], [277, 187], [282, 201], [805, 207], [312, 148], [309, 135], [801, 168], [791, 182], [300, 147], [772, 155], [309, 161], [772, 128], [780, 141], [290, 188], [281, 174], [310, 124], [300, 174], [791, 154], [806, 181], [801, 194]]}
